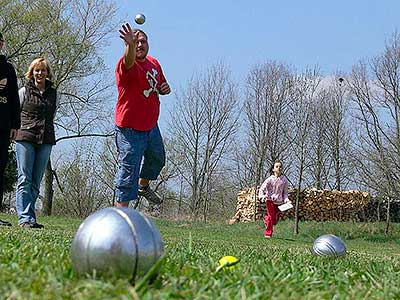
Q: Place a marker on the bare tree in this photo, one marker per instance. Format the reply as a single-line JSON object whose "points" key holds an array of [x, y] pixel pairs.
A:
{"points": [[243, 165], [266, 107], [107, 163], [320, 152], [303, 93], [201, 130], [339, 137], [82, 190], [71, 34], [375, 92]]}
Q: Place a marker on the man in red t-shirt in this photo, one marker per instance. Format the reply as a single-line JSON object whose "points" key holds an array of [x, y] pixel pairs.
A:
{"points": [[141, 154]]}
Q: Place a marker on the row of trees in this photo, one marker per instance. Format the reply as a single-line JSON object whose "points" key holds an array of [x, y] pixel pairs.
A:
{"points": [[72, 35], [336, 132]]}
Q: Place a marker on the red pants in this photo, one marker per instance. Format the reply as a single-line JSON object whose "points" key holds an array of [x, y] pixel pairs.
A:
{"points": [[271, 218]]}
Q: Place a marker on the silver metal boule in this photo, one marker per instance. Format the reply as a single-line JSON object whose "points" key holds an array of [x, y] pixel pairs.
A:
{"points": [[140, 19], [119, 241], [329, 245]]}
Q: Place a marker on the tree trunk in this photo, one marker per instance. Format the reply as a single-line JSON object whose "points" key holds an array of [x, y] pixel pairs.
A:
{"points": [[318, 176], [48, 190], [379, 211], [387, 216], [180, 198], [255, 204], [297, 204], [205, 210], [337, 166], [296, 213]]}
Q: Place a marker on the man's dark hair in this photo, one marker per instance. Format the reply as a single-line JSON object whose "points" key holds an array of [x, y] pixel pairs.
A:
{"points": [[141, 31]]}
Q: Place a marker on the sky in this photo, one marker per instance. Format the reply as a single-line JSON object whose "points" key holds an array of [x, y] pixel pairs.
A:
{"points": [[187, 37]]}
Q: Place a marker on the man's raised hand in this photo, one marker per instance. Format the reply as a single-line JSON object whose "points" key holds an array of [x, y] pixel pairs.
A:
{"points": [[128, 35]]}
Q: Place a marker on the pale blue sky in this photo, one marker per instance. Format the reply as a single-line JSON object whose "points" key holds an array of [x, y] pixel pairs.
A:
{"points": [[189, 36]]}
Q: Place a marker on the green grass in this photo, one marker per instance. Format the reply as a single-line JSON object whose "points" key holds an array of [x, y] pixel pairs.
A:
{"points": [[36, 264]]}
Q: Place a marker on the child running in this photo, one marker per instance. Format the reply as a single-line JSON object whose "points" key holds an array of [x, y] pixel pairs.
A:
{"points": [[275, 190]]}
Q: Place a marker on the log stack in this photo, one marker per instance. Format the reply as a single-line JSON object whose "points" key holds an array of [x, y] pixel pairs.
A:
{"points": [[245, 207], [330, 205], [314, 205]]}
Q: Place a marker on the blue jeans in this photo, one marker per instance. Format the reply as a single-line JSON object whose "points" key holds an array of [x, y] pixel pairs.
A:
{"points": [[31, 160], [141, 154]]}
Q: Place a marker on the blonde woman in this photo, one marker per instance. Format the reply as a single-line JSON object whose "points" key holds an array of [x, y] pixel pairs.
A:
{"points": [[35, 138]]}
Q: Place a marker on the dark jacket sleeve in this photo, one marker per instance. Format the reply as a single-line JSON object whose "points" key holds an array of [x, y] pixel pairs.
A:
{"points": [[15, 112]]}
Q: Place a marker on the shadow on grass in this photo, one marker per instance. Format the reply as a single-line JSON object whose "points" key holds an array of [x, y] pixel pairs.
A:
{"points": [[285, 239]]}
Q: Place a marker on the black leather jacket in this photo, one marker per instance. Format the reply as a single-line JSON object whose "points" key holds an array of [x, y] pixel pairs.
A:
{"points": [[9, 100]]}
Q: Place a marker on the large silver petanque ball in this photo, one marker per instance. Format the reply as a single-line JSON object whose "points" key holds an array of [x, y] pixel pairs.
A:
{"points": [[118, 241], [329, 245]]}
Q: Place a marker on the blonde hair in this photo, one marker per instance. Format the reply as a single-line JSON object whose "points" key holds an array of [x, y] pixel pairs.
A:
{"points": [[40, 61]]}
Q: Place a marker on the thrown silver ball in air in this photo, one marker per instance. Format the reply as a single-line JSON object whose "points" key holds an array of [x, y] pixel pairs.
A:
{"points": [[140, 19]]}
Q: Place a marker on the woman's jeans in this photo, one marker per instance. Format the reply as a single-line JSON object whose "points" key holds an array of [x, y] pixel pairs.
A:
{"points": [[31, 160]]}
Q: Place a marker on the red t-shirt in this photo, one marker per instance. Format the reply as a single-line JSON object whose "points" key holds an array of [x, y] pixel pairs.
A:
{"points": [[138, 105]]}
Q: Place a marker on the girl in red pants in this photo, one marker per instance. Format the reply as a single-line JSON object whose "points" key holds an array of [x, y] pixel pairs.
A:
{"points": [[275, 190]]}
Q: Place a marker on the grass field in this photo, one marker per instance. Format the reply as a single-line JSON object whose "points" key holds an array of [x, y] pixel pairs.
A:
{"points": [[35, 264]]}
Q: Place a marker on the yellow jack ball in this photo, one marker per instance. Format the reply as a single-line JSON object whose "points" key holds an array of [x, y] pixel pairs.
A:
{"points": [[229, 262]]}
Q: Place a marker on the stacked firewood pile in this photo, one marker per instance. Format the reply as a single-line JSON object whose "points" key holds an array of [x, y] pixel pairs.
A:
{"points": [[245, 206], [314, 205], [326, 205]]}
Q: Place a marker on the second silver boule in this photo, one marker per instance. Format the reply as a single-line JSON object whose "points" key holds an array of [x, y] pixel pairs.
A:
{"points": [[329, 245]]}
